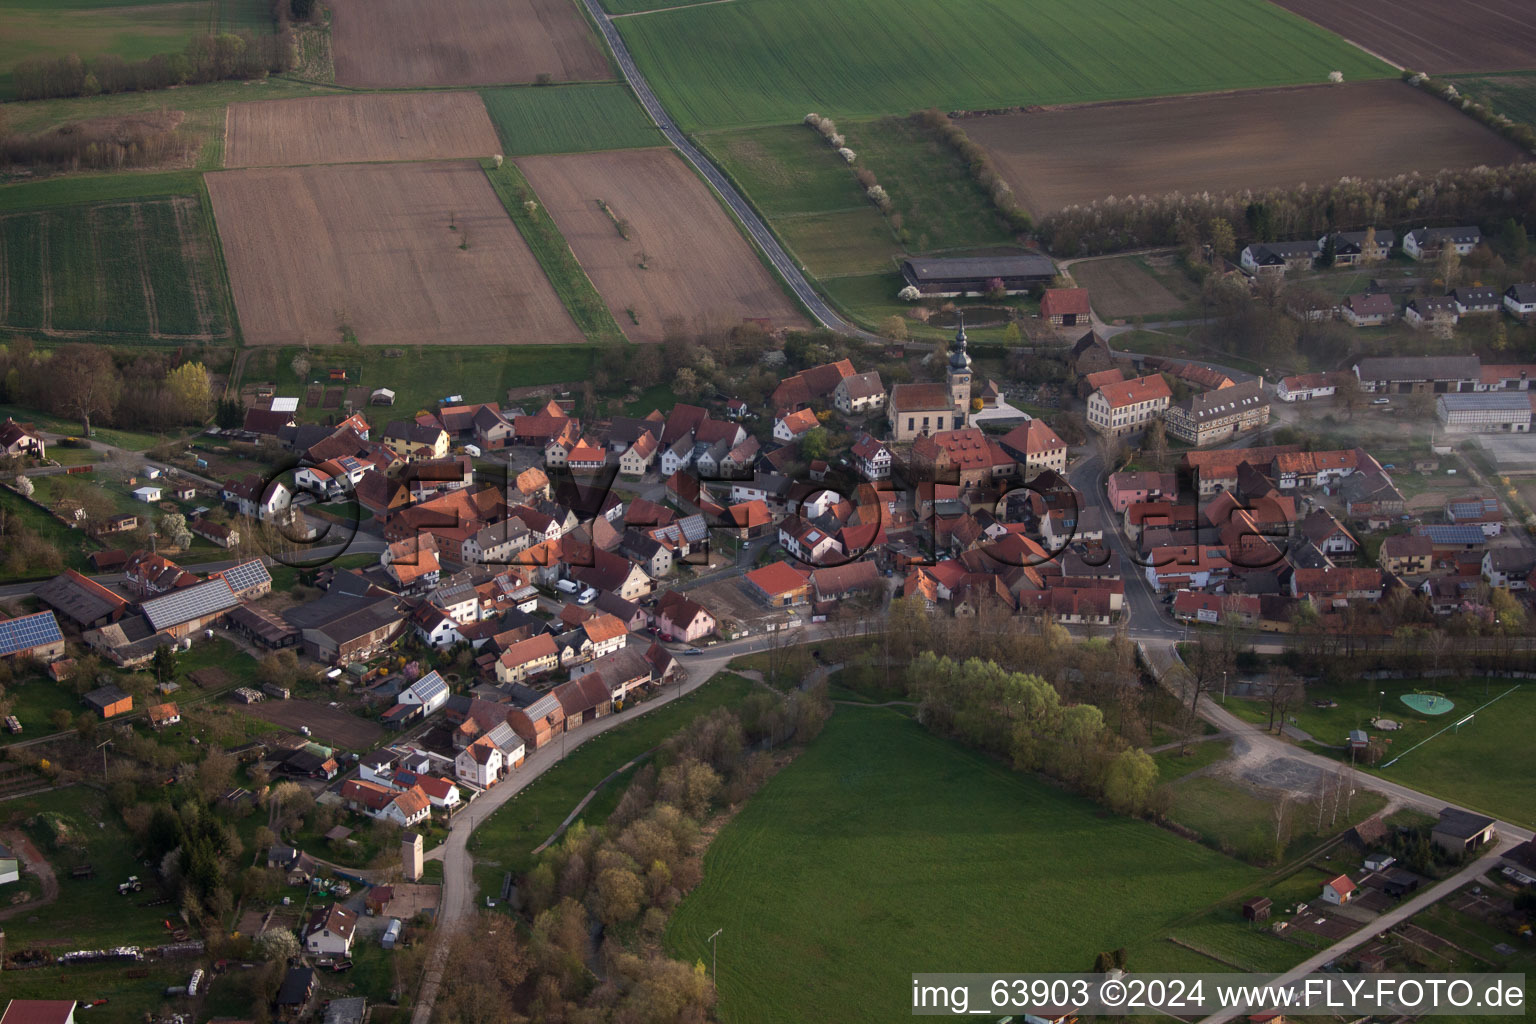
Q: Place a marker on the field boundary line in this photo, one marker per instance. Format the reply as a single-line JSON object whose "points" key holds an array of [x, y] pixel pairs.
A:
{"points": [[678, 7], [45, 317], [151, 314]]}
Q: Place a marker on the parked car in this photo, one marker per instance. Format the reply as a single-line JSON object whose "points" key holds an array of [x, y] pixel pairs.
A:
{"points": [[693, 650], [1381, 401]]}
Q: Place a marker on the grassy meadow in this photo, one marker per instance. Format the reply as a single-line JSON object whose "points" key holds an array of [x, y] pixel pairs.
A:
{"points": [[1512, 94], [772, 61], [569, 119], [420, 376], [885, 850], [506, 840], [129, 29]]}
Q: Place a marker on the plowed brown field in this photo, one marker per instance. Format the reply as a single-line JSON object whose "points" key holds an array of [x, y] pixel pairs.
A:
{"points": [[1265, 139], [370, 245], [382, 43], [358, 128], [1432, 35], [697, 265]]}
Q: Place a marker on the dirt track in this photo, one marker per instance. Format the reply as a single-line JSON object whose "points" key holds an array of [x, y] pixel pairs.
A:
{"points": [[1230, 141], [310, 248], [1430, 35], [697, 265], [357, 128], [382, 43], [331, 726]]}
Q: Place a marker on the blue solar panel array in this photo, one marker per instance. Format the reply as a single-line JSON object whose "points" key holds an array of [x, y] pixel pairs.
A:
{"points": [[246, 575], [29, 631], [429, 686]]}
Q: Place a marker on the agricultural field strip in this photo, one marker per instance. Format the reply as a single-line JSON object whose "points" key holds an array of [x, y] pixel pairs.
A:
{"points": [[357, 128], [1424, 35], [401, 254], [861, 58], [682, 257], [1260, 139], [385, 43], [108, 268]]}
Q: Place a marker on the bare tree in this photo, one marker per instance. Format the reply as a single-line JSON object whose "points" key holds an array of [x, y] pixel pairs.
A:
{"points": [[83, 382]]}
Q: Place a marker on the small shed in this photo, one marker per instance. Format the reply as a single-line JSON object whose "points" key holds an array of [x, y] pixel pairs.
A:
{"points": [[185, 492], [391, 934], [148, 494], [1338, 891], [377, 899], [1358, 740], [1257, 909], [1378, 861], [381, 396]]}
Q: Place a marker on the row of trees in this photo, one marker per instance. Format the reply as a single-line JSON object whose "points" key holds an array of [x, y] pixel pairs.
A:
{"points": [[979, 162], [103, 144], [207, 58], [1022, 717], [1476, 195], [141, 389]]}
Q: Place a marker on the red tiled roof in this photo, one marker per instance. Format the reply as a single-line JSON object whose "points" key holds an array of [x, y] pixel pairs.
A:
{"points": [[777, 578], [1142, 389], [1064, 301]]}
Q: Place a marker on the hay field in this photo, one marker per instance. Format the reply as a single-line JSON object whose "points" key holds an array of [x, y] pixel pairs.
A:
{"points": [[385, 43], [1270, 139], [357, 128], [378, 247], [695, 262]]}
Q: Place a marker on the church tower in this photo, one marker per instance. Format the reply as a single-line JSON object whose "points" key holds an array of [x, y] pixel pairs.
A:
{"points": [[960, 377]]}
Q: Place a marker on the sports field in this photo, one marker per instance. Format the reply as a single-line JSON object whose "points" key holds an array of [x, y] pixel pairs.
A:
{"points": [[384, 43], [884, 850], [772, 61], [358, 127], [1479, 764], [1249, 140], [655, 242], [404, 254], [143, 268], [1424, 35], [569, 119]]}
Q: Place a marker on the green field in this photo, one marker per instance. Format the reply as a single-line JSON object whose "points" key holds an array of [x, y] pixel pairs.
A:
{"points": [[1512, 94], [621, 7], [72, 545], [420, 376], [569, 119], [772, 61], [137, 269], [97, 916], [884, 850], [549, 247], [506, 840], [1478, 765], [129, 29], [254, 16]]}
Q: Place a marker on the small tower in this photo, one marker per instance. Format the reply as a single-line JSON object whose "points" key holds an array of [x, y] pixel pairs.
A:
{"points": [[410, 857], [959, 376]]}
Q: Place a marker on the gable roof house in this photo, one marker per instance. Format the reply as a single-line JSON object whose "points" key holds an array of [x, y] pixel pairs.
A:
{"points": [[31, 636], [539, 722], [622, 672], [1520, 301], [779, 585], [82, 600], [859, 393], [1275, 258], [794, 425], [481, 763], [1036, 447], [412, 441], [1404, 375], [526, 658], [1219, 415], [1369, 309], [330, 931], [1127, 407], [341, 628], [16, 440], [1065, 307], [1426, 243], [682, 617], [1349, 247]]}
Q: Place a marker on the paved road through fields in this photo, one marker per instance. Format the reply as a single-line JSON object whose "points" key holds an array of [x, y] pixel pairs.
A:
{"points": [[781, 260]]}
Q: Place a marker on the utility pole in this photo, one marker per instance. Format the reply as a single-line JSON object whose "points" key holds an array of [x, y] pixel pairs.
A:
{"points": [[713, 955], [102, 746]]}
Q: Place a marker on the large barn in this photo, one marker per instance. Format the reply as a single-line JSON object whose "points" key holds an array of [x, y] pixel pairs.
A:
{"points": [[976, 274]]}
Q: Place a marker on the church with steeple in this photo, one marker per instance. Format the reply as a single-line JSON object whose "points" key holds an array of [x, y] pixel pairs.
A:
{"points": [[916, 410]]}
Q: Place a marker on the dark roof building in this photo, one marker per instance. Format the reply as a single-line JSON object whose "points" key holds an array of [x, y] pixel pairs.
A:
{"points": [[962, 275]]}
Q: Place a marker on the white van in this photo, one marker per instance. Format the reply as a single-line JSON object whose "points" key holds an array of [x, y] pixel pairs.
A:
{"points": [[567, 586], [587, 596]]}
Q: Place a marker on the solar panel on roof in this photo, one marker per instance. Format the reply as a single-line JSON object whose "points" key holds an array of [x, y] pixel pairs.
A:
{"points": [[429, 686], [191, 603], [29, 631], [246, 575]]}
